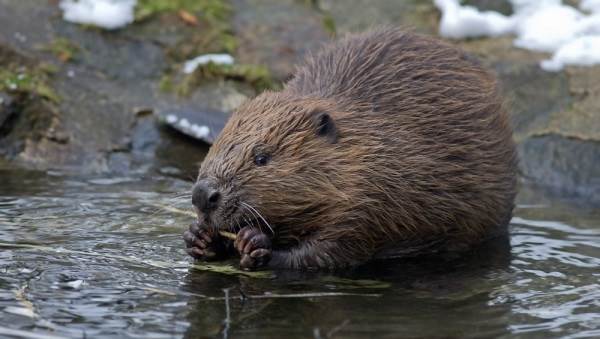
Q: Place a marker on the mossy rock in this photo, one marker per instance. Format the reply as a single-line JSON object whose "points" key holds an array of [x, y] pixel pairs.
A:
{"points": [[21, 75], [257, 76], [28, 81], [63, 49], [211, 30], [214, 10]]}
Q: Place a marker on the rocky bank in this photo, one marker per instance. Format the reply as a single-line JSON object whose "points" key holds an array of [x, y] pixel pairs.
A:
{"points": [[78, 98]]}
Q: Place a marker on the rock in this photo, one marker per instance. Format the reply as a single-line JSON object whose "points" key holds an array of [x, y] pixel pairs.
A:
{"points": [[186, 122], [114, 56], [6, 108], [205, 123], [566, 166], [501, 6], [359, 15], [92, 125], [84, 114], [277, 33], [29, 136], [562, 152], [532, 94], [555, 118]]}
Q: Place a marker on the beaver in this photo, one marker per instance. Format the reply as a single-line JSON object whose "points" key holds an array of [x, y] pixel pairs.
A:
{"points": [[383, 144]]}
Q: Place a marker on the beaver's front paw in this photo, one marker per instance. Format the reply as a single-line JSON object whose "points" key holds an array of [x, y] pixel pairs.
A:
{"points": [[254, 247], [203, 244]]}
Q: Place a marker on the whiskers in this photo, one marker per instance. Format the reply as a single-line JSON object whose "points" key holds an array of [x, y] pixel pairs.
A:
{"points": [[255, 213]]}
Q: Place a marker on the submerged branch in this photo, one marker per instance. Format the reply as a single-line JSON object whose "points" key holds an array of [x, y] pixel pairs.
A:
{"points": [[267, 296]]}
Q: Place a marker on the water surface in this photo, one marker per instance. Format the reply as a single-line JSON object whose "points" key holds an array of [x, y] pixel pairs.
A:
{"points": [[93, 257]]}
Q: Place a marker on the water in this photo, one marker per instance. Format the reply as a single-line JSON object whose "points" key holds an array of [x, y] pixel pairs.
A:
{"points": [[106, 262]]}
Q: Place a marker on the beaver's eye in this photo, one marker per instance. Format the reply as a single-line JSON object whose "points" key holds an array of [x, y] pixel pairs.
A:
{"points": [[261, 160]]}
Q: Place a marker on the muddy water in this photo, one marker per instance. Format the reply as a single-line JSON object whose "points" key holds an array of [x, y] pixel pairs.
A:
{"points": [[93, 257]]}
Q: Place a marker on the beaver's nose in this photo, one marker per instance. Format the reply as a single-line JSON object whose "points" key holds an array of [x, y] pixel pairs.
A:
{"points": [[205, 196]]}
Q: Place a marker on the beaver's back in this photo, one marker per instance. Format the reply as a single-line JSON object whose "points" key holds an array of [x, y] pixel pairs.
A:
{"points": [[437, 143]]}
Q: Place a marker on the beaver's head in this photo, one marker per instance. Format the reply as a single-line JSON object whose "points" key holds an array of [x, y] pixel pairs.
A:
{"points": [[274, 165]]}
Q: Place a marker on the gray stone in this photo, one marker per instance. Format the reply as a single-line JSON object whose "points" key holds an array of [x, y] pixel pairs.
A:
{"points": [[95, 127], [501, 6], [555, 117], [360, 15], [566, 166], [277, 33], [103, 122], [6, 108]]}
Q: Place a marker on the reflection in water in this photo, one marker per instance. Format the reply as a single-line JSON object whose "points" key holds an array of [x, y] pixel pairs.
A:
{"points": [[407, 299], [107, 263]]}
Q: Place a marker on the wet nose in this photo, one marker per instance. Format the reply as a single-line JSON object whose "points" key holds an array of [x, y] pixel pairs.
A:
{"points": [[205, 196]]}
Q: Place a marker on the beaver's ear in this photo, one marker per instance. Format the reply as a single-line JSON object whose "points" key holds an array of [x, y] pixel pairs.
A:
{"points": [[325, 126]]}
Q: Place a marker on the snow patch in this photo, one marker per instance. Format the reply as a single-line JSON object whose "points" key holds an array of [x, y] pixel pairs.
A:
{"points": [[468, 22], [184, 125], [109, 14], [171, 118], [200, 132], [197, 131], [590, 5], [583, 51], [219, 59], [539, 30], [571, 34]]}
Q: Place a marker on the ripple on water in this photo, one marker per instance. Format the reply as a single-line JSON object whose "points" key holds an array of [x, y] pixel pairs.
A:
{"points": [[555, 287], [104, 283]]}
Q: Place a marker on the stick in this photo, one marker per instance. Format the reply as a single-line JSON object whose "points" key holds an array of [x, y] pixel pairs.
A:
{"points": [[227, 321], [228, 235], [225, 234], [266, 296], [174, 210]]}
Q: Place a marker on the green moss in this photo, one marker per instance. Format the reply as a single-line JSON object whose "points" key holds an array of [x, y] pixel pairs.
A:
{"points": [[258, 76], [213, 32], [48, 69], [165, 84], [63, 49], [217, 10], [228, 42], [329, 23], [208, 40], [24, 80]]}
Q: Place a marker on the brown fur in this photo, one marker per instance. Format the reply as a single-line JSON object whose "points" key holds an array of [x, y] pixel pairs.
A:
{"points": [[422, 154]]}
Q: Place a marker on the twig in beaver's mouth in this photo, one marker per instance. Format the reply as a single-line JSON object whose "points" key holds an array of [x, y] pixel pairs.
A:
{"points": [[174, 209]]}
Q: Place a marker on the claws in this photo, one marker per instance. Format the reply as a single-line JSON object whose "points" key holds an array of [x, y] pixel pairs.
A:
{"points": [[203, 244], [254, 248]]}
